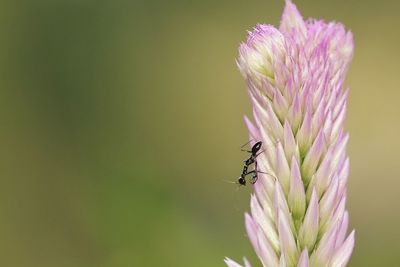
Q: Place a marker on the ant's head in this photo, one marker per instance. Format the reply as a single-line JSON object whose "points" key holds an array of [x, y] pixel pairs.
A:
{"points": [[241, 180], [256, 147]]}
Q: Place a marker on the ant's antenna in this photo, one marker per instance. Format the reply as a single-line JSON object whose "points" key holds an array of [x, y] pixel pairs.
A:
{"points": [[231, 182], [246, 143]]}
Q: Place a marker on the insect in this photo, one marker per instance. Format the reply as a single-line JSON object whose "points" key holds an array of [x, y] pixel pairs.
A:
{"points": [[252, 159]]}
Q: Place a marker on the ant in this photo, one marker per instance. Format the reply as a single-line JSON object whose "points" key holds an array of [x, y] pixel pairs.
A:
{"points": [[252, 159]]}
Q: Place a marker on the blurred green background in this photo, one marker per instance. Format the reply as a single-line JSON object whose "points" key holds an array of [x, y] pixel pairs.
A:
{"points": [[121, 119]]}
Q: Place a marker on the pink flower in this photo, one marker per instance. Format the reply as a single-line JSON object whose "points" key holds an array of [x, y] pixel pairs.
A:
{"points": [[295, 78]]}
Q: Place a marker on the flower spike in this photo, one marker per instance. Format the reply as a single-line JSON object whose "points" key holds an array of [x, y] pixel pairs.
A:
{"points": [[295, 77]]}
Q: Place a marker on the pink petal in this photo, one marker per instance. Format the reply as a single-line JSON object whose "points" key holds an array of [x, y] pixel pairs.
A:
{"points": [[265, 222], [231, 263], [309, 229], [282, 168], [295, 114], [342, 230], [280, 203], [274, 123], [292, 21], [343, 254], [325, 249], [288, 140], [312, 158], [336, 216], [251, 128], [328, 201], [303, 261], [296, 198], [288, 244], [282, 261], [280, 105], [252, 230], [303, 135], [266, 254], [246, 262]]}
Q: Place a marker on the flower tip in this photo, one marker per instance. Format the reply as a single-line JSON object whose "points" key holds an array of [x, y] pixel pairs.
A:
{"points": [[257, 55], [289, 5], [292, 19], [304, 260], [231, 263], [246, 262], [251, 127]]}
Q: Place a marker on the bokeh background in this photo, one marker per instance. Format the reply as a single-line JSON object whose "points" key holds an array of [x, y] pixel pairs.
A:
{"points": [[120, 121]]}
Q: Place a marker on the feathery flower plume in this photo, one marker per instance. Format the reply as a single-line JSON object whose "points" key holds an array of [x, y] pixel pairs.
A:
{"points": [[295, 79]]}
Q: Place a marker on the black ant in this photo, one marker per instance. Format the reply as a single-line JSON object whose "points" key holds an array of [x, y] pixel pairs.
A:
{"points": [[252, 159]]}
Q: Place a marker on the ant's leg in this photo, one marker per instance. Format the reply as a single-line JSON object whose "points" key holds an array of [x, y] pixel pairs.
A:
{"points": [[255, 176], [250, 172], [259, 154], [270, 174], [256, 172]]}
